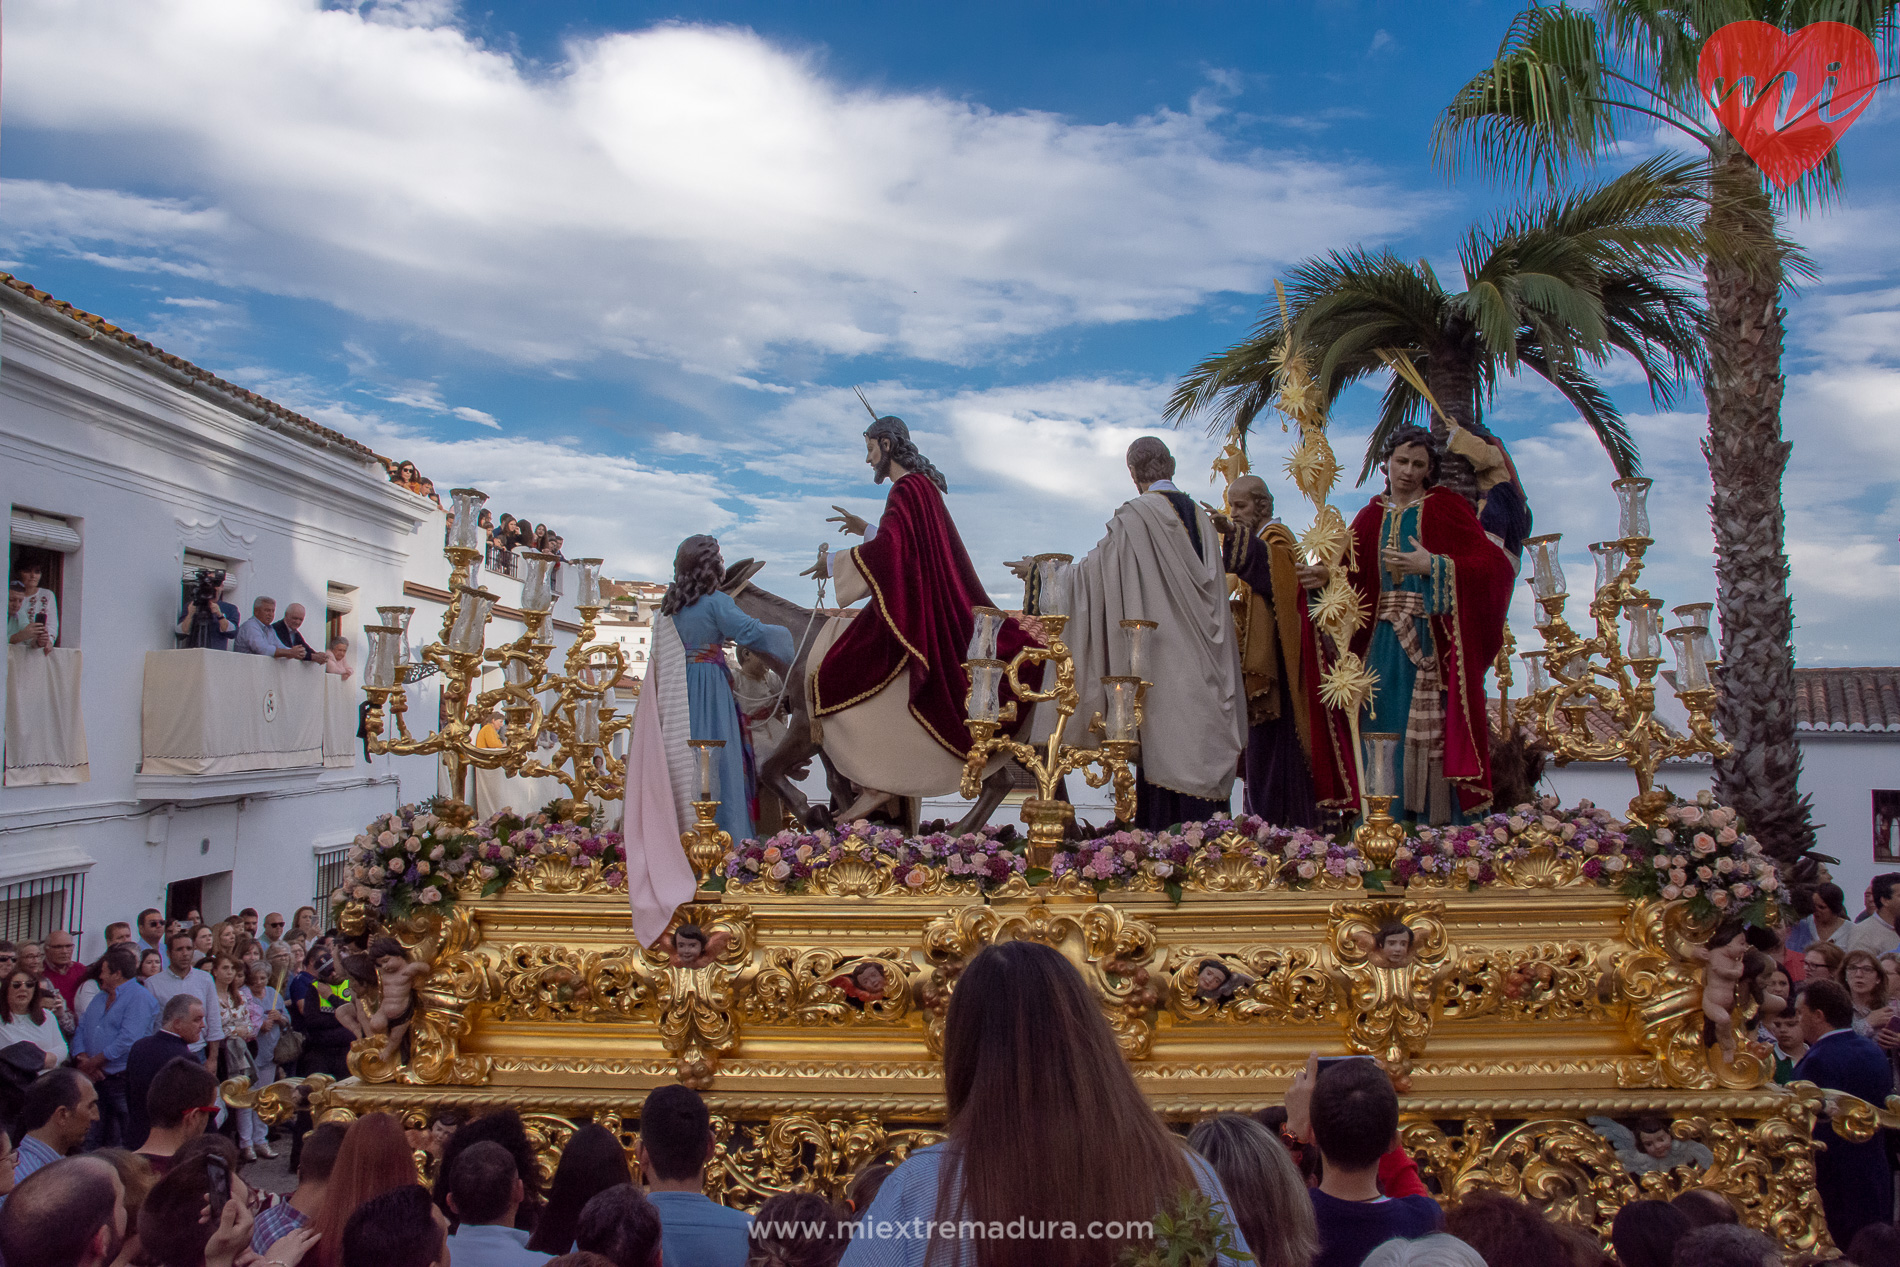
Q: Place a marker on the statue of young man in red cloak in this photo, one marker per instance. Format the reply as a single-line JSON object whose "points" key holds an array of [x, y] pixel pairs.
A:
{"points": [[890, 686], [1436, 588]]}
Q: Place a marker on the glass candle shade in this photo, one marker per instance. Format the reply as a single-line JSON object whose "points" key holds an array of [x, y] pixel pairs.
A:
{"points": [[587, 720], [1138, 634], [1121, 694], [1052, 584], [984, 702], [1645, 629], [1577, 668], [1536, 678], [983, 634], [465, 533], [385, 643], [397, 618], [1611, 559], [537, 580], [471, 620], [516, 671], [708, 772], [586, 582], [1686, 615], [1547, 571], [1539, 617], [1692, 671], [1380, 749], [1632, 506]]}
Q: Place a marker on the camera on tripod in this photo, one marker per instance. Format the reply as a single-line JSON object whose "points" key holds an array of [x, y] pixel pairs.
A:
{"points": [[203, 610]]}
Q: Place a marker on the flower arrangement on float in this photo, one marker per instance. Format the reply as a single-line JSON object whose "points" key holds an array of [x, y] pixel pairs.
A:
{"points": [[1471, 854], [790, 858], [414, 860], [1702, 854], [1297, 856]]}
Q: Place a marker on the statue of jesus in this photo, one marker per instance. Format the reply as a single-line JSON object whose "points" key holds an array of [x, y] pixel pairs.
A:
{"points": [[890, 687], [1436, 588]]}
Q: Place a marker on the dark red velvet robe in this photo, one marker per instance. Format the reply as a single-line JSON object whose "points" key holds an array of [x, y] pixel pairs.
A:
{"points": [[919, 619], [1467, 640]]}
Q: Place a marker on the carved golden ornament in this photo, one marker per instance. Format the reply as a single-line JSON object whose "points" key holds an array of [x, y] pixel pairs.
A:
{"points": [[795, 985], [1112, 952], [1543, 865], [802, 1151], [558, 873], [1765, 1167], [1661, 985], [1544, 981], [1289, 986], [1389, 1009]]}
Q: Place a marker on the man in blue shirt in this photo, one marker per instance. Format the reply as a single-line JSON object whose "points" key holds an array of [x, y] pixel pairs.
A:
{"points": [[1354, 1116], [675, 1144], [124, 1012], [485, 1190], [60, 1108]]}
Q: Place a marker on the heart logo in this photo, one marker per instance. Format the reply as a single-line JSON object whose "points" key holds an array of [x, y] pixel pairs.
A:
{"points": [[1787, 98]]}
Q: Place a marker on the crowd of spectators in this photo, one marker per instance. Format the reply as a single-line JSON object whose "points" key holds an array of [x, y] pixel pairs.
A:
{"points": [[503, 537], [121, 1152], [214, 624]]}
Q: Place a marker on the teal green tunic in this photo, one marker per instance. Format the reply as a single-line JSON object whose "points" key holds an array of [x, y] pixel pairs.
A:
{"points": [[1391, 704]]}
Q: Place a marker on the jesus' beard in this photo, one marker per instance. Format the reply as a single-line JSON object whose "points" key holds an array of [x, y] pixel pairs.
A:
{"points": [[882, 471]]}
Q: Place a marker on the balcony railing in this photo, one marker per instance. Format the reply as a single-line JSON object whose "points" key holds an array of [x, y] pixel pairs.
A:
{"points": [[218, 721]]}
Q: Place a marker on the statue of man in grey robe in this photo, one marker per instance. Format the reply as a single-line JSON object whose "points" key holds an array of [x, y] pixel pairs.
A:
{"points": [[1160, 561]]}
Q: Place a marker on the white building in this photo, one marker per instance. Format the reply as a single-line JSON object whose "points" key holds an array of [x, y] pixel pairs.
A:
{"points": [[191, 779]]}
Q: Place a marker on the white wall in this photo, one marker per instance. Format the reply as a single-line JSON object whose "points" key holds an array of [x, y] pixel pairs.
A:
{"points": [[1840, 770], [145, 469]]}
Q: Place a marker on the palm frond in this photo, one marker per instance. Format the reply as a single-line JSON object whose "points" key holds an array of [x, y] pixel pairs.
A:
{"points": [[1594, 405], [1400, 407]]}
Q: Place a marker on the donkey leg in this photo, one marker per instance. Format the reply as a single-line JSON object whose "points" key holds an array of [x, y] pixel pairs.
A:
{"points": [[795, 750], [995, 788]]}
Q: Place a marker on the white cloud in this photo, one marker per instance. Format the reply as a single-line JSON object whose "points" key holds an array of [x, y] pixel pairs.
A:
{"points": [[466, 414], [689, 193]]}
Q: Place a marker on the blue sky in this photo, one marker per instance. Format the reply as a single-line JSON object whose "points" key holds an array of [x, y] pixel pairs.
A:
{"points": [[620, 264]]}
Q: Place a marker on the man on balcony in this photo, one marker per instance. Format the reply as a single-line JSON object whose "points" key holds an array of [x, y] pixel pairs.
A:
{"points": [[257, 636]]}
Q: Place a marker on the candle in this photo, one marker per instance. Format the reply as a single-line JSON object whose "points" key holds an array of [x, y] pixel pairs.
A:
{"points": [[471, 618], [988, 625], [397, 618], [1121, 694], [1052, 584], [537, 580], [587, 721], [1632, 503], [1645, 635], [1610, 559], [1536, 679], [465, 504], [1547, 571], [587, 582], [1692, 671], [379, 668], [984, 702], [708, 773], [1136, 635], [1379, 749]]}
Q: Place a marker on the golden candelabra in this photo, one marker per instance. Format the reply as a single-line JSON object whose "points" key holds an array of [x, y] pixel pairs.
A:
{"points": [[1048, 816], [580, 715], [1615, 675]]}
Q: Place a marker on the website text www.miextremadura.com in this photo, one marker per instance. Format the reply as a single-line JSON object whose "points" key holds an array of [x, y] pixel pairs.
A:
{"points": [[966, 1230]]}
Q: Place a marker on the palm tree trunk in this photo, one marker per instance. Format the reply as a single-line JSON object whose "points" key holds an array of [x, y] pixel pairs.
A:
{"points": [[1451, 374], [1747, 456]]}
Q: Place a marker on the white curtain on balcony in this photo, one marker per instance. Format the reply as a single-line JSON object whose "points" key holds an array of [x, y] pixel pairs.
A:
{"points": [[340, 698], [218, 712], [46, 732]]}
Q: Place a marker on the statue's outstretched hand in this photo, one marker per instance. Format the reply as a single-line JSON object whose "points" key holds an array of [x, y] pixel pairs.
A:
{"points": [[1222, 524], [1021, 568], [848, 522], [822, 568]]}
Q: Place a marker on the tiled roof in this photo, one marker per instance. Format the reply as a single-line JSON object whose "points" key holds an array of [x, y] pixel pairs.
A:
{"points": [[291, 422], [1848, 700]]}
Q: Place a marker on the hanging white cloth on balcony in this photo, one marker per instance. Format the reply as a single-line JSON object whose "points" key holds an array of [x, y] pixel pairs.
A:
{"points": [[218, 712], [46, 731], [340, 698]]}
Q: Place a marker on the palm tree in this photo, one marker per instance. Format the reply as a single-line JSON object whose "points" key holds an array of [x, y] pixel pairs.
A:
{"points": [[1563, 87], [1559, 290]]}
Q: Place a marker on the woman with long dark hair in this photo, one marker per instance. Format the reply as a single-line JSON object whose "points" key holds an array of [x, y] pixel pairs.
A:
{"points": [[1046, 1126], [592, 1162], [374, 1159]]}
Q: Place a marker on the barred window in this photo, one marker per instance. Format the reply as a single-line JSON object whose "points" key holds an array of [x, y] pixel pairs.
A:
{"points": [[330, 864], [30, 909]]}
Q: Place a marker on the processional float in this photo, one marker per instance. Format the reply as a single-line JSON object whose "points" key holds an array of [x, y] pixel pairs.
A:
{"points": [[1556, 969]]}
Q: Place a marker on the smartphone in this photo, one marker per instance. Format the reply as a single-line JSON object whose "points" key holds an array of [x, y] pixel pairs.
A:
{"points": [[218, 1175]]}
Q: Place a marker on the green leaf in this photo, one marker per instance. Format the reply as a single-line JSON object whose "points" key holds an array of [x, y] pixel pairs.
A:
{"points": [[1376, 879], [1174, 890], [496, 885], [1035, 876]]}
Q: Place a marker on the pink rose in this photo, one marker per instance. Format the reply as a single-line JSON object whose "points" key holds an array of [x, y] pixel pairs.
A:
{"points": [[430, 896]]}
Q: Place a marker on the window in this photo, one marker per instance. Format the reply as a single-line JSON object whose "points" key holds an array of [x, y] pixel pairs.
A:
{"points": [[1886, 823], [205, 634], [339, 600], [330, 864], [30, 909], [39, 543]]}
